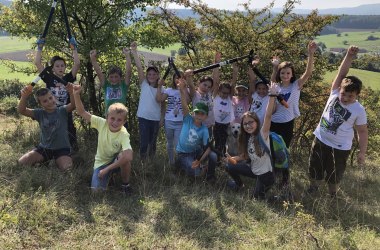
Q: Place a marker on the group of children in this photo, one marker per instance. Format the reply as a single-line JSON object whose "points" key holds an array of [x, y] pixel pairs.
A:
{"points": [[215, 106]]}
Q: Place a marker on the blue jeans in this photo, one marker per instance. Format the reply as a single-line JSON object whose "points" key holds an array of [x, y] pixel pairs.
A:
{"points": [[148, 137], [184, 161], [263, 182], [172, 132], [96, 182]]}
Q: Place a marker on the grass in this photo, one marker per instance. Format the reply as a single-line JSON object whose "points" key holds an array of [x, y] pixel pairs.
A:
{"points": [[369, 79], [7, 74], [12, 44], [41, 207], [353, 38]]}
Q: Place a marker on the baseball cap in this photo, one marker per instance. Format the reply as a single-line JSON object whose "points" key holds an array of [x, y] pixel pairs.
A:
{"points": [[201, 107], [152, 67], [241, 86]]}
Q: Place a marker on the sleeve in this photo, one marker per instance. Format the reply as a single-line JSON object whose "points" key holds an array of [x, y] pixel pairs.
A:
{"points": [[362, 117], [96, 121], [69, 77], [125, 142], [37, 114], [205, 136], [186, 118]]}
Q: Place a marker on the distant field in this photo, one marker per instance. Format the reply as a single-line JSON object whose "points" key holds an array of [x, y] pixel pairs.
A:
{"points": [[12, 44], [369, 79], [165, 51], [353, 38], [6, 74]]}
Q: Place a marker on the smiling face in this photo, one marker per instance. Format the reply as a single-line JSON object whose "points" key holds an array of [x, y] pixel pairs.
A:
{"points": [[115, 120], [47, 101], [224, 92], [59, 68], [286, 75], [205, 86], [114, 78], [262, 89], [152, 76], [346, 97], [241, 92], [250, 125]]}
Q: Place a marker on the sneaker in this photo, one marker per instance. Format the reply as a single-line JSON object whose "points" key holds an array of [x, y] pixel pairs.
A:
{"points": [[233, 186], [126, 189]]}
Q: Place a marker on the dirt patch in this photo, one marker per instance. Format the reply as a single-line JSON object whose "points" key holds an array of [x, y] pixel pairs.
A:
{"points": [[19, 56]]}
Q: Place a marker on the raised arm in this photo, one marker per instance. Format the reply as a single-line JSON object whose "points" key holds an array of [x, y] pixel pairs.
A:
{"points": [[76, 65], [311, 48], [344, 67], [21, 108], [363, 142], [182, 89], [79, 105], [160, 97], [38, 58], [275, 62], [71, 106], [139, 67], [128, 66], [252, 78], [235, 72], [189, 80], [216, 75], [97, 68], [274, 90]]}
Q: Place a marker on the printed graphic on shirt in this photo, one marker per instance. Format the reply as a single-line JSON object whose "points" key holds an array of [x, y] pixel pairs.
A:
{"points": [[256, 105], [286, 96], [113, 93], [192, 137], [174, 105], [337, 115], [239, 111], [50, 126], [207, 100], [60, 93]]}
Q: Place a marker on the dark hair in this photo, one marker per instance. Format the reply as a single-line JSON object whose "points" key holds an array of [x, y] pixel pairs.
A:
{"points": [[205, 79], [261, 82], [244, 136], [284, 65], [174, 84], [56, 58], [225, 85], [351, 84], [115, 70], [152, 67], [41, 92]]}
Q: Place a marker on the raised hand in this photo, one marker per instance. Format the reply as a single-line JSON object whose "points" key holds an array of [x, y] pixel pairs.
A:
{"points": [[76, 89], [273, 89], [126, 51], [73, 43], [26, 91], [93, 54], [353, 50], [133, 46], [40, 43], [275, 61], [312, 47]]}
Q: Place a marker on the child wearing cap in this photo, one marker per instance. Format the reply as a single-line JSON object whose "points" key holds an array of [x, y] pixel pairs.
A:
{"points": [[193, 144]]}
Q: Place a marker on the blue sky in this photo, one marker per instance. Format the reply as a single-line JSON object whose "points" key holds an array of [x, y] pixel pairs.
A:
{"points": [[305, 4]]}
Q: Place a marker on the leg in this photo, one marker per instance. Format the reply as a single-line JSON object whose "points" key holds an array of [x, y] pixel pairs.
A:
{"points": [[336, 170], [31, 158], [212, 159], [154, 128], [64, 162], [263, 184], [144, 137], [320, 158], [185, 160], [242, 168], [72, 132], [169, 133], [218, 130], [177, 132], [99, 183]]}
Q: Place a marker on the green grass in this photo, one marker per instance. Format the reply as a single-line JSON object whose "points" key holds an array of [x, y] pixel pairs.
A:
{"points": [[353, 38], [12, 44], [41, 207], [369, 79], [166, 51], [7, 74]]}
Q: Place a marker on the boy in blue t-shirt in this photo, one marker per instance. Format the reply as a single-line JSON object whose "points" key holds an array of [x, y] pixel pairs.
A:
{"points": [[54, 140], [194, 138]]}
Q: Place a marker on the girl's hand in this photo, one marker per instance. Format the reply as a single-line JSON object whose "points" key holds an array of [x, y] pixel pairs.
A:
{"points": [[69, 87], [274, 89], [181, 83], [195, 164], [133, 46], [218, 56], [26, 91], [161, 82], [126, 51], [312, 47], [353, 50], [188, 73], [76, 89], [93, 54], [275, 61]]}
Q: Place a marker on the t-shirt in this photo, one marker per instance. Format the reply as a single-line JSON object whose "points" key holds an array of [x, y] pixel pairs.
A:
{"points": [[240, 106], [336, 127], [148, 108], [58, 89], [191, 137], [53, 128], [291, 95], [223, 110], [114, 93], [259, 165], [173, 107], [208, 100], [109, 143], [259, 106]]}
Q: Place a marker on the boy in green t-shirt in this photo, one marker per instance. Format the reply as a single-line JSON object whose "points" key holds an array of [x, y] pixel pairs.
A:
{"points": [[114, 150]]}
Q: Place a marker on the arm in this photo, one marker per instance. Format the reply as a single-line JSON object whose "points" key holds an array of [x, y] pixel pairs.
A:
{"points": [[71, 106], [21, 108], [344, 67], [182, 90], [97, 68], [275, 62], [140, 70], [216, 76], [312, 47], [160, 97], [38, 58], [235, 72], [76, 64], [196, 163], [252, 78], [128, 66], [189, 80], [123, 158], [79, 105], [363, 142], [274, 90]]}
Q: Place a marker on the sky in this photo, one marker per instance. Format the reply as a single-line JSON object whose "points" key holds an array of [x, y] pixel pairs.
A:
{"points": [[305, 4]]}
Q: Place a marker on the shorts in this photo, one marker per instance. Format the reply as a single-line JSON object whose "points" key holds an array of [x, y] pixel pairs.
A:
{"points": [[96, 182], [325, 159], [50, 154]]}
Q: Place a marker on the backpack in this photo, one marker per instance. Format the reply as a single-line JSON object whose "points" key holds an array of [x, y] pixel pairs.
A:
{"points": [[278, 151]]}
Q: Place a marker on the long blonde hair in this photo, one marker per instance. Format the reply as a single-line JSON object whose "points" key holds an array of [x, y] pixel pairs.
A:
{"points": [[244, 136]]}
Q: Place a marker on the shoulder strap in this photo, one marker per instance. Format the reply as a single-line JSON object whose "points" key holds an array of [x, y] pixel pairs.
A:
{"points": [[265, 147]]}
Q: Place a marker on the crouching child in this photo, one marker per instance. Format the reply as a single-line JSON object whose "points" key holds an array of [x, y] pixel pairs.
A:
{"points": [[193, 144], [114, 151], [54, 140]]}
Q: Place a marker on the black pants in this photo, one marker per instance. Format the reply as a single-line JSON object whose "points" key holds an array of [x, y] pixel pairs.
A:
{"points": [[220, 136], [72, 132]]}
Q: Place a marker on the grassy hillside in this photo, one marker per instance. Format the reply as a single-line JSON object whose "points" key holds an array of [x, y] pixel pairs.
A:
{"points": [[369, 79], [7, 74], [352, 38], [11, 44]]}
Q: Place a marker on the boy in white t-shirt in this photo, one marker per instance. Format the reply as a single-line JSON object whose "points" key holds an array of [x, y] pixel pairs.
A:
{"points": [[335, 131]]}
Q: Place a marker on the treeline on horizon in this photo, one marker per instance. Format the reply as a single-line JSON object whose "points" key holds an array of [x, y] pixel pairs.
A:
{"points": [[353, 22]]}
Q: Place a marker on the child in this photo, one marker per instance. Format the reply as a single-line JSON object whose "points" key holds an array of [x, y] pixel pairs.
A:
{"points": [[115, 89], [283, 118], [260, 166], [114, 150], [149, 111], [333, 135], [58, 89], [260, 100], [194, 138], [54, 140], [173, 115]]}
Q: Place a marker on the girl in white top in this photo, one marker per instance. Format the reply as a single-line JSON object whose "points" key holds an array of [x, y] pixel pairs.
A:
{"points": [[260, 166], [149, 109]]}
